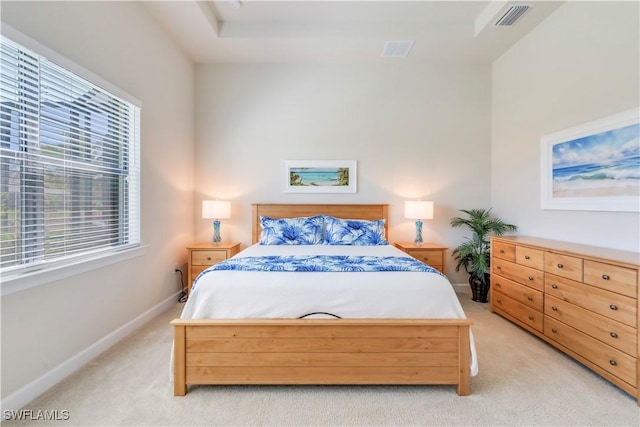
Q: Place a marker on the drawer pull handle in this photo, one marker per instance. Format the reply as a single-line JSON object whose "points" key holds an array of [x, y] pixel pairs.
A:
{"points": [[554, 308], [554, 286], [612, 362], [560, 266], [530, 317], [613, 335], [526, 257], [554, 330], [530, 298], [498, 285], [613, 307], [499, 268], [208, 258], [530, 277], [499, 301], [605, 277], [501, 251]]}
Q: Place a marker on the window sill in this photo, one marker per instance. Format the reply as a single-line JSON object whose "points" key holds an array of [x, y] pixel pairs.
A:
{"points": [[21, 282]]}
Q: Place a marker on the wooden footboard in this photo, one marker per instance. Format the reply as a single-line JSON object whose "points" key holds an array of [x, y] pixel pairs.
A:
{"points": [[319, 351]]}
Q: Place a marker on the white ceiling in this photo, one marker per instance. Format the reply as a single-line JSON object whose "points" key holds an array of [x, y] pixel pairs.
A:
{"points": [[262, 31]]}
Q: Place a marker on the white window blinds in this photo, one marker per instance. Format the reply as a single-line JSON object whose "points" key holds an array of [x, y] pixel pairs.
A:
{"points": [[69, 163]]}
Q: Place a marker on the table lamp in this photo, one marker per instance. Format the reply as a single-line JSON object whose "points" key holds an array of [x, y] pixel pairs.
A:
{"points": [[418, 210], [216, 210]]}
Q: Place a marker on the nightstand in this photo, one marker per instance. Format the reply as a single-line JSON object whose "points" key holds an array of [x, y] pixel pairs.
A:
{"points": [[204, 255], [431, 254]]}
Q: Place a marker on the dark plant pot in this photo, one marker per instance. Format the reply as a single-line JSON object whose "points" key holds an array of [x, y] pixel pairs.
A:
{"points": [[479, 290]]}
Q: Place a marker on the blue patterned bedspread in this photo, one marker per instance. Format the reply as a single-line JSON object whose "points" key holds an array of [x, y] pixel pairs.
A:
{"points": [[323, 263]]}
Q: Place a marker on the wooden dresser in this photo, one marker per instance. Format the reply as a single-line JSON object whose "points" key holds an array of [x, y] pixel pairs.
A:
{"points": [[581, 299], [204, 255]]}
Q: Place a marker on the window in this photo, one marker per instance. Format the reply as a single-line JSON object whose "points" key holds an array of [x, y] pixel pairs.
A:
{"points": [[69, 165]]}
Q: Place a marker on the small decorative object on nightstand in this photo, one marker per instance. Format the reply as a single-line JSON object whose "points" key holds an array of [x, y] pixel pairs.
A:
{"points": [[432, 254], [216, 210], [204, 255], [418, 210]]}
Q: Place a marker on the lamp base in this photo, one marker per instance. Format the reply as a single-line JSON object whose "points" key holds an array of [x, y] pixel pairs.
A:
{"points": [[216, 232], [418, 240]]}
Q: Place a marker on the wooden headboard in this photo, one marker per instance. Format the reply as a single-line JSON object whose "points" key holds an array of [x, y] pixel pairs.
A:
{"points": [[368, 212]]}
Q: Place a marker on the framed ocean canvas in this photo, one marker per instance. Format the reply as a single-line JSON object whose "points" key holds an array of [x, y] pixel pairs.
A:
{"points": [[320, 176], [594, 166]]}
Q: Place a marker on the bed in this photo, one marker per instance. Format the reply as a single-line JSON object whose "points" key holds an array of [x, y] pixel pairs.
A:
{"points": [[293, 336]]}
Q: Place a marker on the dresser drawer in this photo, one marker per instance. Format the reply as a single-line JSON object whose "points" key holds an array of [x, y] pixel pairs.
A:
{"points": [[563, 265], [197, 269], [526, 315], [519, 273], [523, 294], [434, 258], [207, 257], [611, 277], [614, 306], [606, 357], [503, 250], [608, 331], [533, 258]]}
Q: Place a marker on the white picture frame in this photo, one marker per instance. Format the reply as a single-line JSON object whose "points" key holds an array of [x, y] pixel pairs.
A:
{"points": [[594, 166], [320, 176]]}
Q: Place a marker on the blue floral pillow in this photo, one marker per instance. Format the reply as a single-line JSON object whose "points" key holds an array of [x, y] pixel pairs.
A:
{"points": [[291, 231], [354, 232]]}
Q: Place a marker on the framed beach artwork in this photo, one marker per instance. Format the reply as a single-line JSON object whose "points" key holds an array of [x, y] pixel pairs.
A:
{"points": [[320, 176], [594, 166]]}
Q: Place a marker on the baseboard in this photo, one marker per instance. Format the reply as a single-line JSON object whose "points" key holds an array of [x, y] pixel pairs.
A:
{"points": [[38, 386]]}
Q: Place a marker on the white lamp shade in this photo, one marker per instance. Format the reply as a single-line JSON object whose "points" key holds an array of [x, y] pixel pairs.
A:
{"points": [[216, 209], [418, 209]]}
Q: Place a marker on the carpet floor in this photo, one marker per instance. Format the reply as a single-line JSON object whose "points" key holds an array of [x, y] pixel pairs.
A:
{"points": [[522, 382]]}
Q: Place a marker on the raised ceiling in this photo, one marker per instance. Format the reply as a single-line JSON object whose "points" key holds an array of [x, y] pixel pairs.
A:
{"points": [[261, 31]]}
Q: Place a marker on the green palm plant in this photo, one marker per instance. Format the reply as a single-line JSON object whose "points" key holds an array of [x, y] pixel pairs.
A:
{"points": [[473, 253]]}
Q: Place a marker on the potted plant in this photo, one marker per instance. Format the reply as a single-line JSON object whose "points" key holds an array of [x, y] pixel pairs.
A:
{"points": [[474, 253]]}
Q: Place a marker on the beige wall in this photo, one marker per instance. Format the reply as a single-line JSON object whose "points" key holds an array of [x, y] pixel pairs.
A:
{"points": [[45, 326], [580, 64], [416, 131]]}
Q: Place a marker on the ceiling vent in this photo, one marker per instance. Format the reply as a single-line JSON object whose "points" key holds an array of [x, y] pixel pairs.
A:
{"points": [[397, 48], [513, 14]]}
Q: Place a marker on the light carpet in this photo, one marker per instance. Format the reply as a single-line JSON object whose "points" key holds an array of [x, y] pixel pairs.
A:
{"points": [[522, 382]]}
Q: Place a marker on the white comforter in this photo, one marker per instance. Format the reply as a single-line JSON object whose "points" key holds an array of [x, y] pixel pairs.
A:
{"points": [[256, 294]]}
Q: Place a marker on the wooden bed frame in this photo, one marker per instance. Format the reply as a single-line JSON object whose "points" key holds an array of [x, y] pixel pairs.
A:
{"points": [[321, 351]]}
